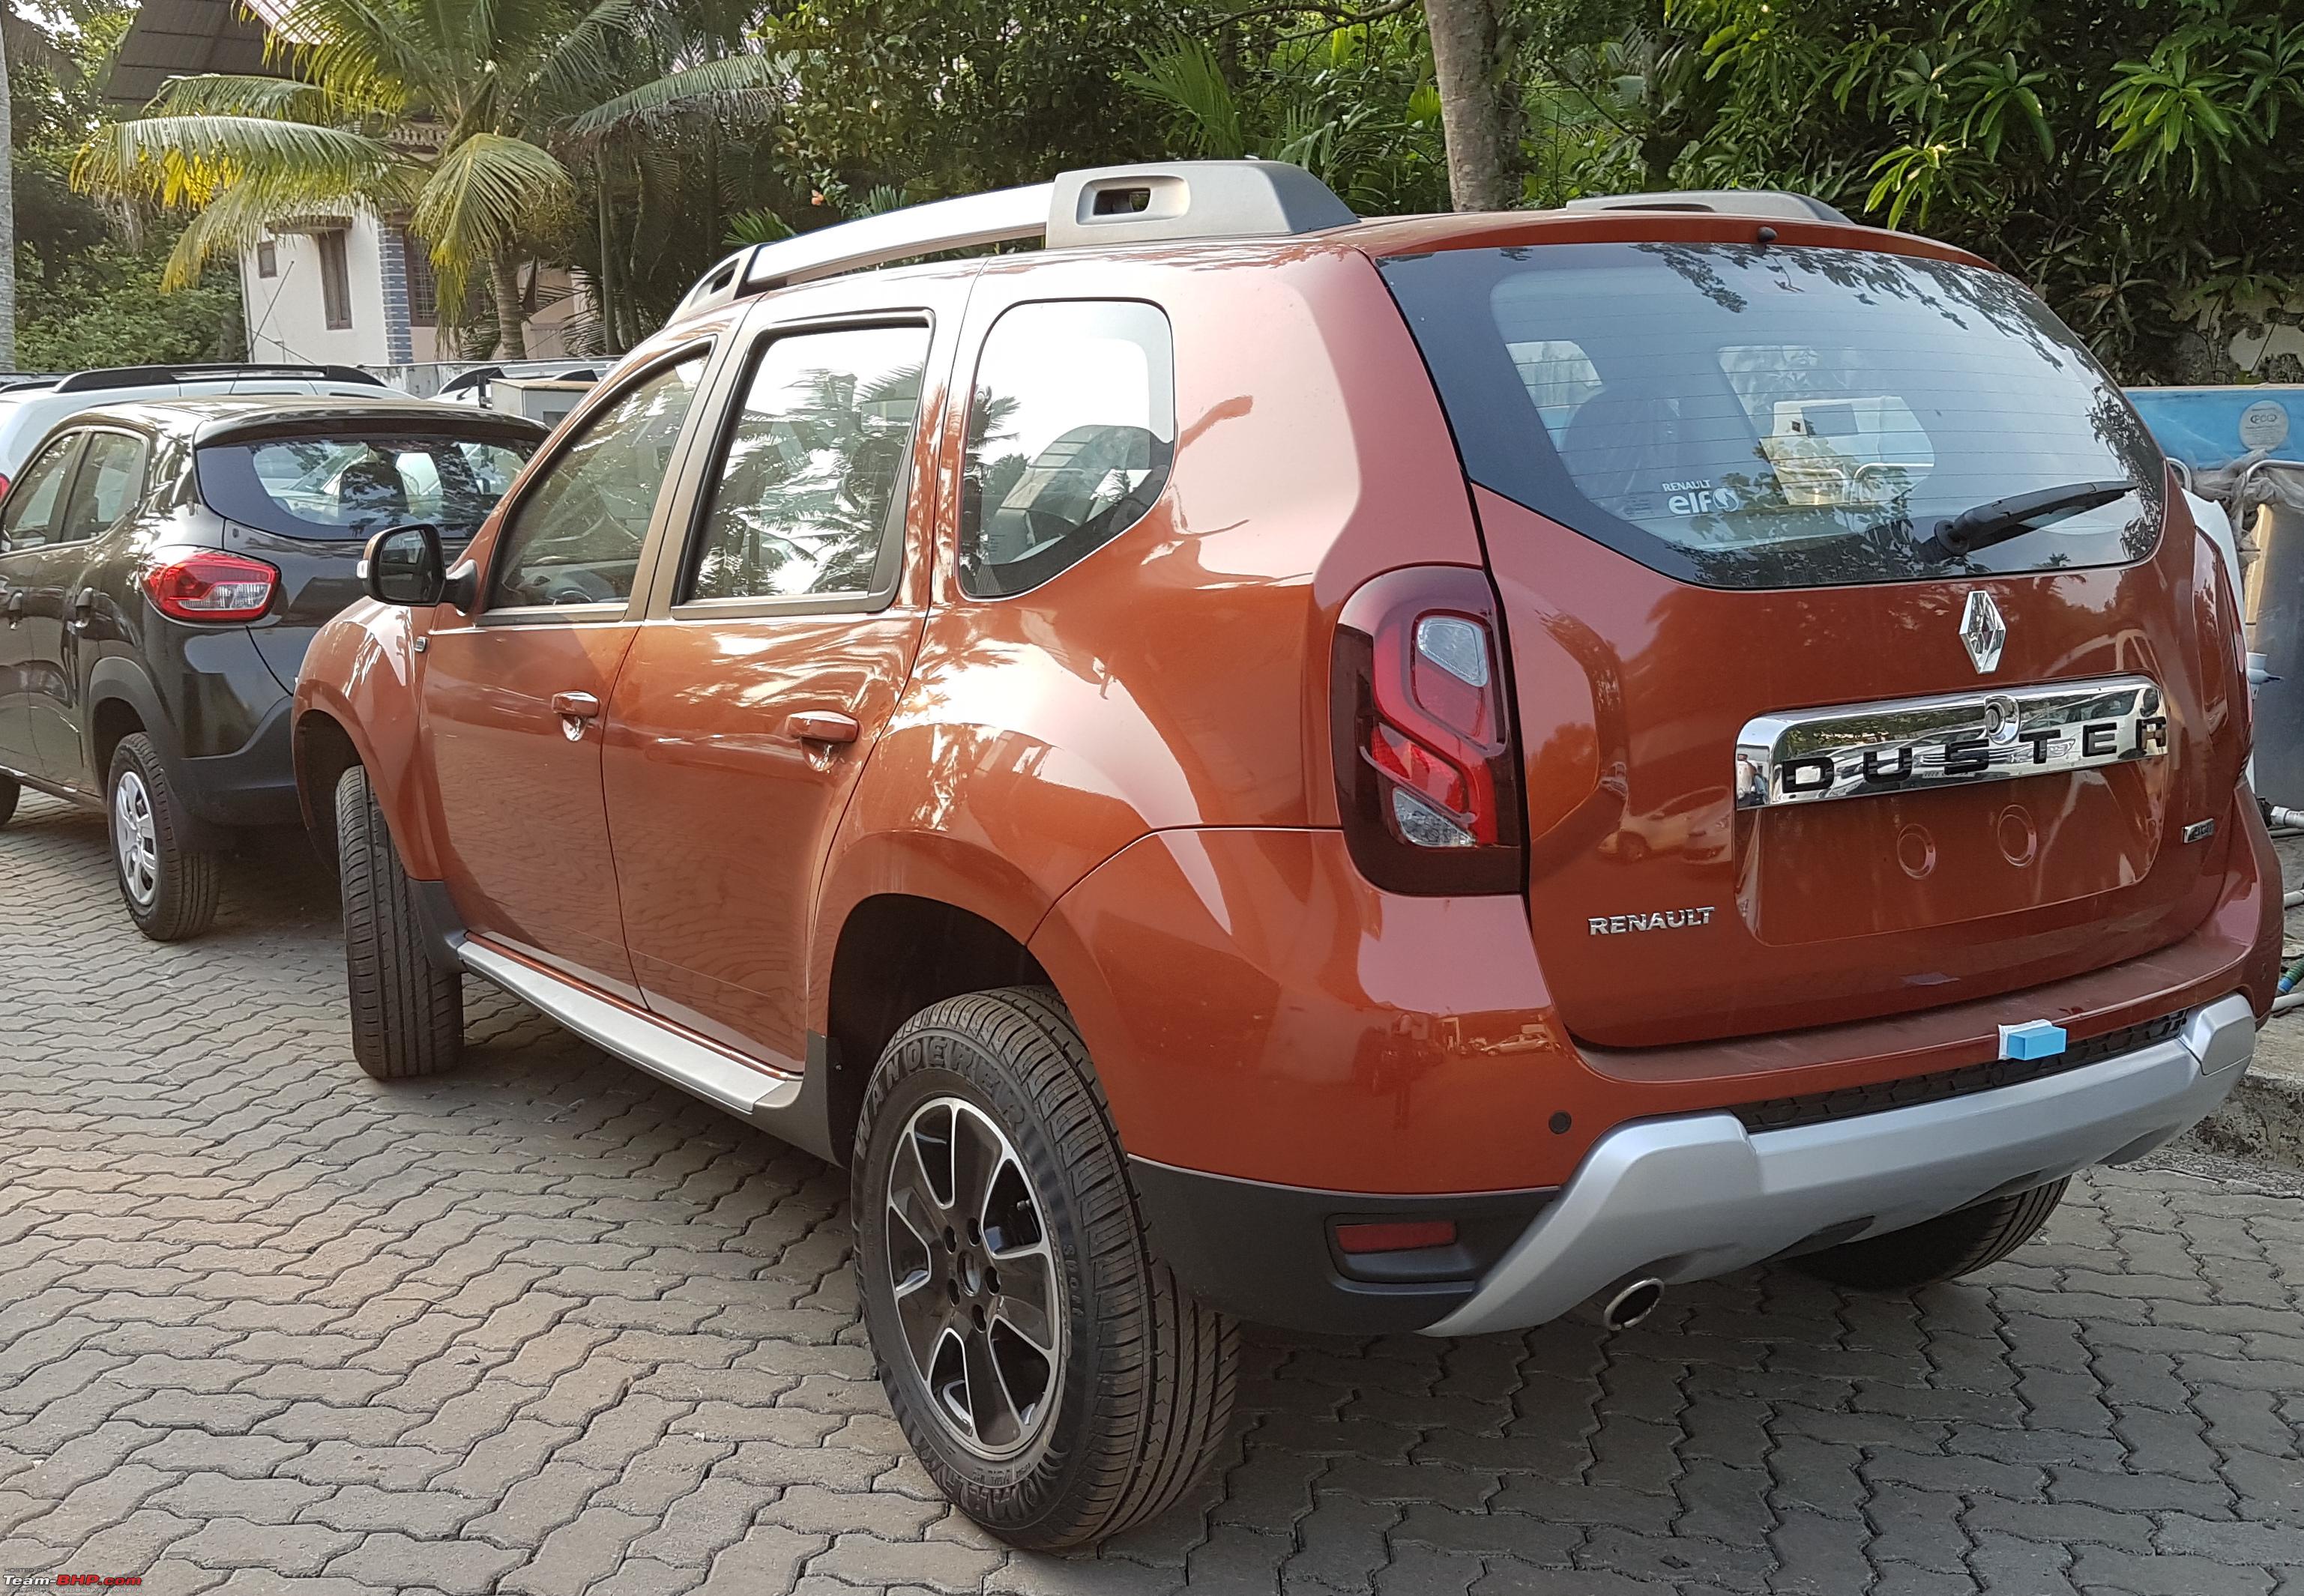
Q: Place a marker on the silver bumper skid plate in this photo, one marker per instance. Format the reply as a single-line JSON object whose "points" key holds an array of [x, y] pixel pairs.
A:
{"points": [[1697, 1196]]}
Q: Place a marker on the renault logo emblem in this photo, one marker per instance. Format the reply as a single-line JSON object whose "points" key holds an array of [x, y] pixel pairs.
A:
{"points": [[1983, 632]]}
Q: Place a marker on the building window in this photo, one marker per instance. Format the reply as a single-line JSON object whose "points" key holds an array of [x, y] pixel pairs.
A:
{"points": [[267, 259], [335, 278], [423, 283]]}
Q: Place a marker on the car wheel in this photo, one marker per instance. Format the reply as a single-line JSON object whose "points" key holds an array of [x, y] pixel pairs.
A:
{"points": [[1053, 1377], [10, 790], [408, 1013], [168, 883], [1943, 1248]]}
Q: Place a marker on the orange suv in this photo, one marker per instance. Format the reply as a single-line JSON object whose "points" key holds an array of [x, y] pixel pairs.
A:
{"points": [[1370, 775]]}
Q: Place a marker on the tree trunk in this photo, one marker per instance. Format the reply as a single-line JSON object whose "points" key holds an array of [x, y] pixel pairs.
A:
{"points": [[7, 221], [1472, 57], [504, 278], [604, 286]]}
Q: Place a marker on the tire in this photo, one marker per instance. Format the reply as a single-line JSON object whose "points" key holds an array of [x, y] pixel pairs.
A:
{"points": [[408, 1013], [168, 883], [1135, 1380], [10, 790], [1943, 1248]]}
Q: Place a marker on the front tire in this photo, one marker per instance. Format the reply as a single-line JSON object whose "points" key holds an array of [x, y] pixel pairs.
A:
{"points": [[408, 1013], [168, 883], [1053, 1377], [1943, 1249]]}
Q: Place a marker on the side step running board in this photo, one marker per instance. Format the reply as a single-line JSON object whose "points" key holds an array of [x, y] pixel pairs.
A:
{"points": [[712, 1075]]}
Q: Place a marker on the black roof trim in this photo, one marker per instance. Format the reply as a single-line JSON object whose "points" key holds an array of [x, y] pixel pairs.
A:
{"points": [[310, 420], [146, 377]]}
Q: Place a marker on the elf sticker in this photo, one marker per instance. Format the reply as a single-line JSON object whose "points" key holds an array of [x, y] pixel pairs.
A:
{"points": [[1701, 498]]}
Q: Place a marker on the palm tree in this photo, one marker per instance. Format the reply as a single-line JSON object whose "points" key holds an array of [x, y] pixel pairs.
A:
{"points": [[7, 216], [436, 110]]}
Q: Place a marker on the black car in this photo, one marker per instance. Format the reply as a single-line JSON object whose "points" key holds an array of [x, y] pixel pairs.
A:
{"points": [[163, 565]]}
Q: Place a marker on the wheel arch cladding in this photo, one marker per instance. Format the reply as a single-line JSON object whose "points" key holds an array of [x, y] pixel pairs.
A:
{"points": [[898, 953]]}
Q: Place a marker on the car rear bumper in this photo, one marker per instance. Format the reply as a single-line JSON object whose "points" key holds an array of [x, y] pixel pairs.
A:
{"points": [[1697, 1196], [1678, 1198]]}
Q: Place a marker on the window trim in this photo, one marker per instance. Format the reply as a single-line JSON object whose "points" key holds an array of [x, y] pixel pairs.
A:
{"points": [[888, 568], [74, 442], [547, 459], [968, 411], [333, 246], [89, 435]]}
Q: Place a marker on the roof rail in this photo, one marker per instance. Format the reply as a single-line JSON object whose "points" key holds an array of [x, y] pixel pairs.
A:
{"points": [[1154, 201], [146, 377], [1778, 203]]}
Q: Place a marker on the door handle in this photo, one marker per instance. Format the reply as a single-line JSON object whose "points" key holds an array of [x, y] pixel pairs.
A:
{"points": [[15, 608], [823, 726], [82, 603], [574, 709]]}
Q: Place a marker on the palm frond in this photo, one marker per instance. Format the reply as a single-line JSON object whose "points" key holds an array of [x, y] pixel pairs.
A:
{"points": [[189, 160], [732, 83], [1185, 75], [239, 216], [358, 49], [586, 54], [476, 199], [757, 226], [235, 94]]}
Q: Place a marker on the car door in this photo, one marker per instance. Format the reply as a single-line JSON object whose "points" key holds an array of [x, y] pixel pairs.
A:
{"points": [[29, 521], [783, 630], [512, 693], [105, 489]]}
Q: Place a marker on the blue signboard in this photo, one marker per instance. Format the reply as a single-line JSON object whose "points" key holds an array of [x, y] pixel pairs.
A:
{"points": [[2211, 427]]}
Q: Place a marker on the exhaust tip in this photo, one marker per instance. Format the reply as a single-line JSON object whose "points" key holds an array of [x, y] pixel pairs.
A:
{"points": [[1633, 1302]]}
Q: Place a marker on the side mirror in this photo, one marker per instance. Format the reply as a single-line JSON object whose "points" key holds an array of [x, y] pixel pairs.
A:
{"points": [[403, 565]]}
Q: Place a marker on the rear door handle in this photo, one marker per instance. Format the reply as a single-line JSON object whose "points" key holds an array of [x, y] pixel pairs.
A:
{"points": [[82, 603], [823, 726], [15, 608]]}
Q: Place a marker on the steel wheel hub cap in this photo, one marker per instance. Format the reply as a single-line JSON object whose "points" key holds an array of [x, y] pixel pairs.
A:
{"points": [[974, 1278], [135, 839]]}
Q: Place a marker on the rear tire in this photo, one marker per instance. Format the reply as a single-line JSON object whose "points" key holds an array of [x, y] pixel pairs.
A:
{"points": [[1943, 1248], [168, 882], [10, 790], [1105, 1419], [408, 1013]]}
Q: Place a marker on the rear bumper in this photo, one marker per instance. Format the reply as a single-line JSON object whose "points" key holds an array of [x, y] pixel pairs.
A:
{"points": [[1697, 1196], [1679, 1198]]}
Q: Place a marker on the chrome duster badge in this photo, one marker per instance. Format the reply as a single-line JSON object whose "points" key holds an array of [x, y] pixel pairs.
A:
{"points": [[1868, 750], [1983, 632]]}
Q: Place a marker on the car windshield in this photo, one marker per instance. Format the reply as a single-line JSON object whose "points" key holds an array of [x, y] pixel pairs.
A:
{"points": [[348, 485], [1750, 417]]}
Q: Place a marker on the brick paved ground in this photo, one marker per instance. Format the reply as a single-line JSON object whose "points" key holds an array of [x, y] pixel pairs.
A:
{"points": [[545, 1326]]}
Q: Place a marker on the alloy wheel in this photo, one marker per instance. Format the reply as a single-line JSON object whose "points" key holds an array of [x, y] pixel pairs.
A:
{"points": [[974, 1277], [136, 839]]}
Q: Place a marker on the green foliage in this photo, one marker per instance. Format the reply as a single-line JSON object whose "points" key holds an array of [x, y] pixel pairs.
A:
{"points": [[99, 306], [2127, 158]]}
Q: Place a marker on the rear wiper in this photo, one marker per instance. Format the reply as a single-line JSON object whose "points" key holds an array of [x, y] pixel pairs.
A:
{"points": [[2019, 513]]}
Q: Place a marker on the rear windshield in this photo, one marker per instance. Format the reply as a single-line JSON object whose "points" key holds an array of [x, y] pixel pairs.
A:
{"points": [[349, 486], [1783, 416]]}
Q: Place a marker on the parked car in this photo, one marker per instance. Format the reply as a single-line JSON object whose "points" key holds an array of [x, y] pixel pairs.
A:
{"points": [[1128, 747], [31, 406], [163, 565]]}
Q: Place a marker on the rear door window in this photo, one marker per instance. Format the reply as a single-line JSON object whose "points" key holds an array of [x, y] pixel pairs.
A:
{"points": [[575, 535], [1783, 416], [111, 480], [1069, 435], [35, 509]]}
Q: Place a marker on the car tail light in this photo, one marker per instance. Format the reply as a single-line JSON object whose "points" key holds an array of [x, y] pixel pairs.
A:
{"points": [[1428, 779], [210, 585], [3, 485]]}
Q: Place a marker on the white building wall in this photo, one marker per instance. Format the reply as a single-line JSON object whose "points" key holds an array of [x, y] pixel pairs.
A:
{"points": [[287, 314]]}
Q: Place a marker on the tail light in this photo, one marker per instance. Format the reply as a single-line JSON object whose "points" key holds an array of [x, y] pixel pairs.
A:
{"points": [[3, 485], [1427, 779], [210, 585]]}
